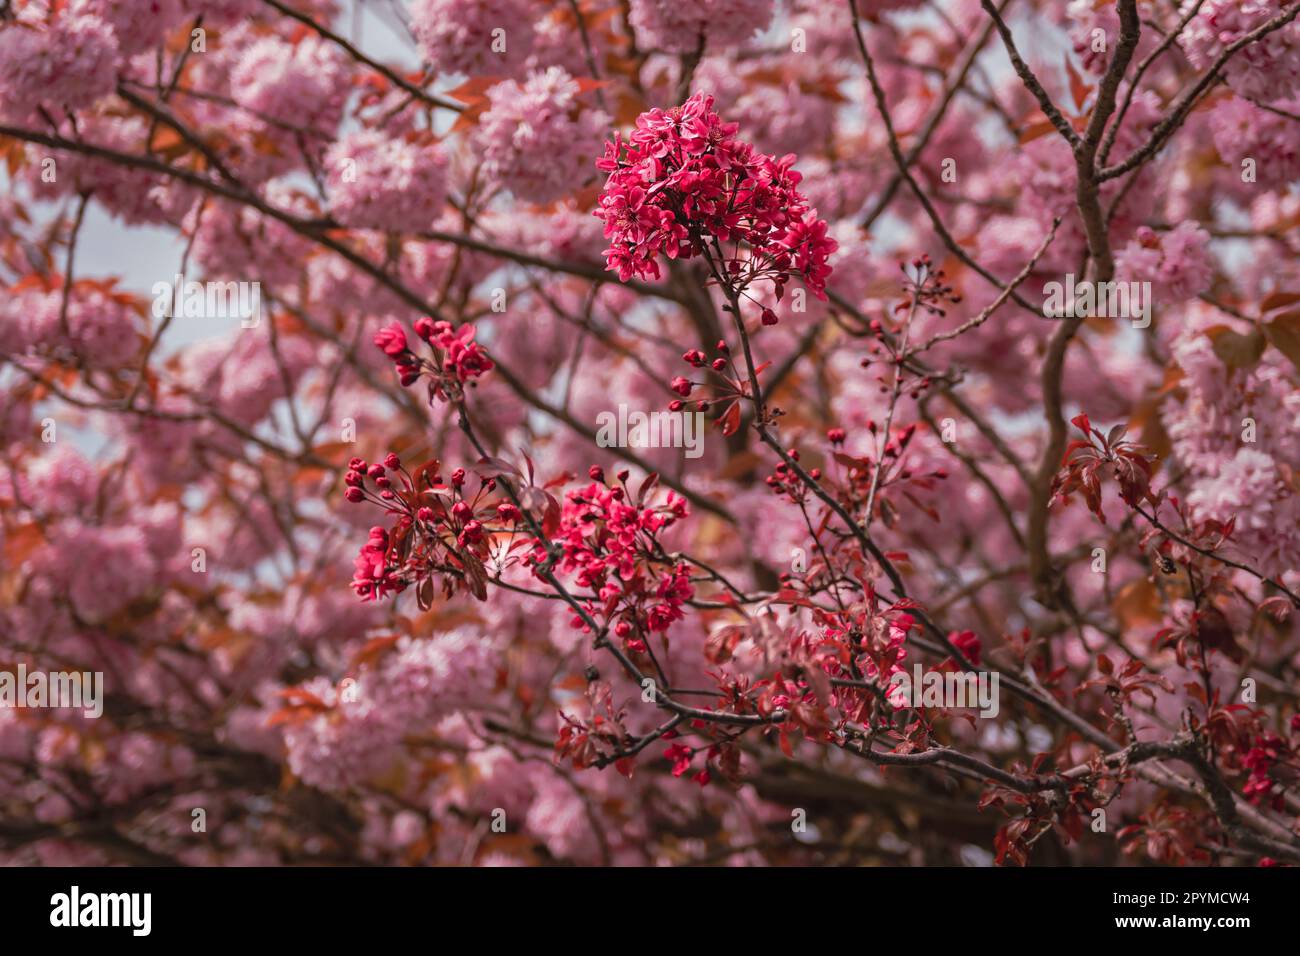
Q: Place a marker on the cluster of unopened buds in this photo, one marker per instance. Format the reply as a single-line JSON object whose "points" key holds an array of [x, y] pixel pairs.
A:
{"points": [[728, 389], [439, 528], [697, 359], [855, 479], [925, 286], [786, 480], [458, 359]]}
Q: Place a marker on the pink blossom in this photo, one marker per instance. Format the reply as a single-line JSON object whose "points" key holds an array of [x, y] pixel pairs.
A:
{"points": [[302, 84], [1252, 139], [678, 27], [1176, 263], [65, 65], [392, 184], [537, 138], [486, 38], [137, 24], [1267, 69]]}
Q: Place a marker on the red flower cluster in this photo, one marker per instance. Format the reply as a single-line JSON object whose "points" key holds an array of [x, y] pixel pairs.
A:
{"points": [[440, 532], [600, 530], [458, 358], [374, 578], [683, 181], [1274, 767], [607, 538]]}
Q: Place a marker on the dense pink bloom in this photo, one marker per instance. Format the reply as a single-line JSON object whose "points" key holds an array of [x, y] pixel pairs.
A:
{"points": [[357, 588], [392, 184], [1267, 69], [490, 37], [1269, 142], [537, 138], [66, 65], [137, 24], [777, 114], [102, 328], [243, 379], [1238, 433], [133, 195], [344, 737], [678, 27], [600, 532], [302, 84], [1176, 263]]}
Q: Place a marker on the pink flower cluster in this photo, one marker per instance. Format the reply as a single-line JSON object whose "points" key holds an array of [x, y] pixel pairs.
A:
{"points": [[137, 24], [677, 27], [66, 65], [244, 380], [1237, 432], [1176, 263], [1267, 69], [338, 740], [599, 532], [301, 84], [779, 114], [1244, 131], [485, 38], [390, 184], [683, 181], [536, 137], [102, 327]]}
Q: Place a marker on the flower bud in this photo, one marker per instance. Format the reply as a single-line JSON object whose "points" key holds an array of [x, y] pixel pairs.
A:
{"points": [[391, 339]]}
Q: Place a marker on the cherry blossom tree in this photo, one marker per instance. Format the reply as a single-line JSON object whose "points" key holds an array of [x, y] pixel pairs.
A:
{"points": [[987, 314]]}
